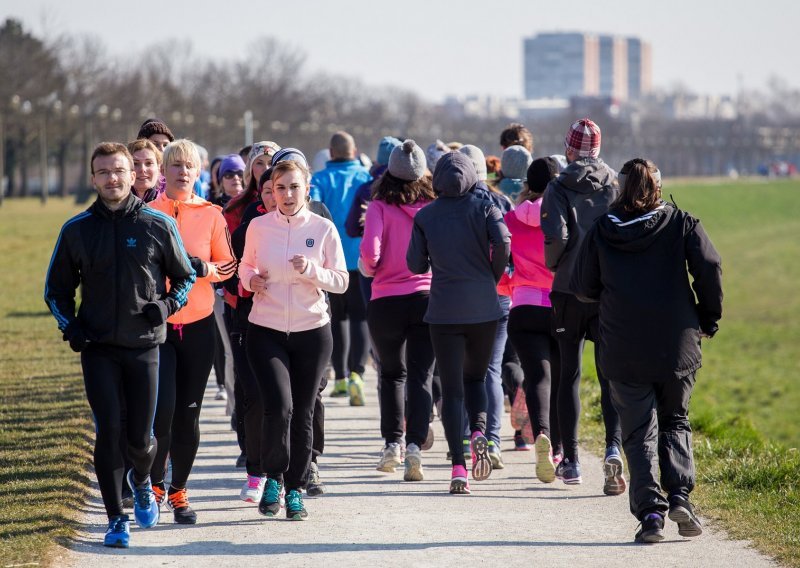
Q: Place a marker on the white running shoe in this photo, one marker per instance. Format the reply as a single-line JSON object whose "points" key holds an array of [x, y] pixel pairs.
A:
{"points": [[252, 489], [390, 458], [413, 464]]}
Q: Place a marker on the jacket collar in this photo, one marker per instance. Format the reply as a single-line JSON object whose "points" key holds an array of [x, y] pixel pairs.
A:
{"points": [[301, 216]]}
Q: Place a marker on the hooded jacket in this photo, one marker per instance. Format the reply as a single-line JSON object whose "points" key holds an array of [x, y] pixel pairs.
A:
{"points": [[292, 302], [580, 194], [387, 232], [650, 318], [462, 239], [121, 259], [205, 236], [531, 280]]}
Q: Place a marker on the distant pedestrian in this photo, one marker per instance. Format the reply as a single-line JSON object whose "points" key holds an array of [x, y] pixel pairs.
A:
{"points": [[634, 262]]}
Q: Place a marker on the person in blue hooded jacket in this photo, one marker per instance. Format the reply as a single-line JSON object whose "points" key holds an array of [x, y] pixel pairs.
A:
{"points": [[462, 240]]}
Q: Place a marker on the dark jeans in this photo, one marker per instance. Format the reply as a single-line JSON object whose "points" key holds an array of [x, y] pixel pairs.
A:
{"points": [[404, 348], [349, 329], [288, 368], [462, 355], [529, 330], [184, 368], [115, 376], [655, 424], [573, 321]]}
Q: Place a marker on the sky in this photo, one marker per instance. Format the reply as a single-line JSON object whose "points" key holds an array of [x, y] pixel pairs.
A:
{"points": [[438, 48]]}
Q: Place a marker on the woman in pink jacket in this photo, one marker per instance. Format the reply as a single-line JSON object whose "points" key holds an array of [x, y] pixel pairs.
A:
{"points": [[397, 307], [529, 320], [290, 256]]}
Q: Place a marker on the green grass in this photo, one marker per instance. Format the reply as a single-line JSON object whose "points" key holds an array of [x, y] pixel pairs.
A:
{"points": [[744, 409]]}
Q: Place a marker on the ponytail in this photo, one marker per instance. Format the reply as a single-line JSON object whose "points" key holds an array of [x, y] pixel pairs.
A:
{"points": [[640, 187]]}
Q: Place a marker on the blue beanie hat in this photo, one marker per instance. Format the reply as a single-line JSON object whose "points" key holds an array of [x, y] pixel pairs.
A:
{"points": [[230, 163], [385, 147]]}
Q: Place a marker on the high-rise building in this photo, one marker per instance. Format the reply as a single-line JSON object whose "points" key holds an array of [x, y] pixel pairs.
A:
{"points": [[564, 65]]}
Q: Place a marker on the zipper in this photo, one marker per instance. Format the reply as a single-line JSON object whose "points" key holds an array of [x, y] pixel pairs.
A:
{"points": [[289, 282], [117, 283]]}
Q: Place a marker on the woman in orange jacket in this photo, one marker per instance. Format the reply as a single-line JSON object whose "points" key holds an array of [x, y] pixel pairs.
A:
{"points": [[188, 354]]}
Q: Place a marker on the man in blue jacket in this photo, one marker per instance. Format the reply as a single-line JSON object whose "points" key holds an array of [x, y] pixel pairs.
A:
{"points": [[120, 252], [336, 187]]}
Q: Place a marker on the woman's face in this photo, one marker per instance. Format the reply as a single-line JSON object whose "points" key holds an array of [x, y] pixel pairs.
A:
{"points": [[267, 197], [146, 167], [180, 173], [290, 191], [259, 166], [232, 183]]}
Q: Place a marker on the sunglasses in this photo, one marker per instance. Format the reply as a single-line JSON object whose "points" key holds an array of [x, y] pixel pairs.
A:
{"points": [[231, 175]]}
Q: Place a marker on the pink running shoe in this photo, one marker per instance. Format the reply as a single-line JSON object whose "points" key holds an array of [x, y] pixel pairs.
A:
{"points": [[458, 481]]}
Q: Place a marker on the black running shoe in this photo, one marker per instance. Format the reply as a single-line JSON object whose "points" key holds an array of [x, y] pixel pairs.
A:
{"points": [[682, 512], [270, 504], [178, 501], [295, 511], [651, 529], [314, 487]]}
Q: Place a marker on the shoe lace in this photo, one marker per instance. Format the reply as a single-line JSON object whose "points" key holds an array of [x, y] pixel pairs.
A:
{"points": [[294, 501], [143, 497], [273, 491], [117, 524], [179, 499]]}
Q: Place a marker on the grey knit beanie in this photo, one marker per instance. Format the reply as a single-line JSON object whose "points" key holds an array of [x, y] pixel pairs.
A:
{"points": [[407, 162], [515, 161], [476, 155]]}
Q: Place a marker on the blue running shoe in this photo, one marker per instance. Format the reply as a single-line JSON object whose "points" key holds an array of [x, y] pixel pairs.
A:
{"points": [[613, 472], [571, 472], [118, 533], [270, 503], [145, 507], [295, 511]]}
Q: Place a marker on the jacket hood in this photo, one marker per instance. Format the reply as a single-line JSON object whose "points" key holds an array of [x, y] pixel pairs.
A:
{"points": [[193, 201], [529, 213], [411, 209], [586, 175], [634, 233], [455, 175]]}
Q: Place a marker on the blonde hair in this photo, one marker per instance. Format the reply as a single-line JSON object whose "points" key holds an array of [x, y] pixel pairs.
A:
{"points": [[182, 149]]}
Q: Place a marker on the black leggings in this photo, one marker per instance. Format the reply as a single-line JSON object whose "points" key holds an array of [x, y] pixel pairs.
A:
{"points": [[462, 355], [349, 329], [288, 368], [529, 331], [404, 348], [186, 360], [114, 376]]}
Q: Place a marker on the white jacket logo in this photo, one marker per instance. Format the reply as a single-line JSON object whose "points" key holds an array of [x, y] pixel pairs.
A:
{"points": [[309, 243]]}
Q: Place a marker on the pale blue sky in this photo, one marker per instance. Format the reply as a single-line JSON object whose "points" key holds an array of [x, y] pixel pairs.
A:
{"points": [[437, 48]]}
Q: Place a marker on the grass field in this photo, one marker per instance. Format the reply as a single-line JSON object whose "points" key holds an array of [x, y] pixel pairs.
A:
{"points": [[745, 406]]}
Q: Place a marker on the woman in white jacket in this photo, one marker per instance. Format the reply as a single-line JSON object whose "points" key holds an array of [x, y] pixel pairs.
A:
{"points": [[290, 256]]}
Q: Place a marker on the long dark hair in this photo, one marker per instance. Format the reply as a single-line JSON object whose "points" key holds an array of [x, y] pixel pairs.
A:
{"points": [[640, 187], [395, 191]]}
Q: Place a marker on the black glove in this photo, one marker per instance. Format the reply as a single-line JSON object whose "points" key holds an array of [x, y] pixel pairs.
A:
{"points": [[157, 312], [200, 267], [77, 339]]}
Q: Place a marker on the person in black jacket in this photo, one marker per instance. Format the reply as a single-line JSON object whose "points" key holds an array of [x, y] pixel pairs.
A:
{"points": [[634, 262], [121, 254], [462, 239]]}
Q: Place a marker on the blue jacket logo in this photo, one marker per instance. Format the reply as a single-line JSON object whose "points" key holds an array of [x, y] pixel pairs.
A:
{"points": [[131, 242], [309, 243]]}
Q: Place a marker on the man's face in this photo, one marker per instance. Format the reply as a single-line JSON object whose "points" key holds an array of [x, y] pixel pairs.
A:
{"points": [[160, 140], [112, 177]]}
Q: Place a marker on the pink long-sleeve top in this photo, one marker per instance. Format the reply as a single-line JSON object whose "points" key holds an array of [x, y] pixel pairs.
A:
{"points": [[531, 280]]}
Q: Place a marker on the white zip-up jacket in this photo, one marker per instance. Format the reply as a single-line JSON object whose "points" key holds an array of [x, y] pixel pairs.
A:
{"points": [[292, 301]]}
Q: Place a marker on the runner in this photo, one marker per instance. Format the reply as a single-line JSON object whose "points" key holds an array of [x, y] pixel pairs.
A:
{"points": [[120, 253], [290, 256], [188, 354]]}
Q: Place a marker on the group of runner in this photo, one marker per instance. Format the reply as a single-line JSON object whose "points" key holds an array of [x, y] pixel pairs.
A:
{"points": [[470, 282]]}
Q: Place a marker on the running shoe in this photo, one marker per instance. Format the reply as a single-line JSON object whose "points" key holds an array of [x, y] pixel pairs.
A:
{"points": [[613, 470], [496, 456], [481, 464], [252, 489], [127, 497], [314, 487], [355, 386], [570, 472], [520, 444], [295, 511], [118, 533], [651, 529], [681, 511], [160, 493], [221, 394], [145, 506], [413, 464], [339, 388], [428, 443], [545, 468], [270, 504], [390, 458], [459, 485], [178, 501]]}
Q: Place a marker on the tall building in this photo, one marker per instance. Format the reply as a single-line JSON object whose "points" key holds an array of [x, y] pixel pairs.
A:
{"points": [[564, 65]]}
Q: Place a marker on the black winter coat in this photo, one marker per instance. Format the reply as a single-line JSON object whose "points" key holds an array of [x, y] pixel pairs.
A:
{"points": [[650, 318]]}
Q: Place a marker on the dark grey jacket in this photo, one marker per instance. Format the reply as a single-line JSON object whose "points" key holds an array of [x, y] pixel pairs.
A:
{"points": [[571, 203], [463, 240], [650, 316]]}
